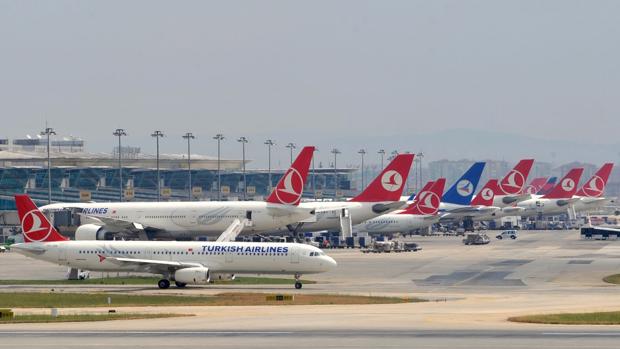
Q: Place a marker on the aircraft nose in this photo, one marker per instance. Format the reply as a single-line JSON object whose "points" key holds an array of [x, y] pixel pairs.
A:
{"points": [[331, 263]]}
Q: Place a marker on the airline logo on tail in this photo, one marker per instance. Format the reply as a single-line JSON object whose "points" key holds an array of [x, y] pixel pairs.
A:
{"points": [[391, 181], [388, 186], [535, 185], [464, 187], [35, 226], [290, 188], [515, 180], [487, 194], [567, 186], [428, 200], [595, 186]]}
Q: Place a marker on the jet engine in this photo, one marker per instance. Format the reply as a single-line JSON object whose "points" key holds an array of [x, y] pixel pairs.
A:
{"points": [[90, 232], [194, 275]]}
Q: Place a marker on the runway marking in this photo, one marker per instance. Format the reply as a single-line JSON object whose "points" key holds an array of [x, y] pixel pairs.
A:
{"points": [[148, 332], [610, 334]]}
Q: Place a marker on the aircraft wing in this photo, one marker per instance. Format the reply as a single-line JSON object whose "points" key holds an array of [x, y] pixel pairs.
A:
{"points": [[150, 265], [113, 224], [281, 210], [511, 199]]}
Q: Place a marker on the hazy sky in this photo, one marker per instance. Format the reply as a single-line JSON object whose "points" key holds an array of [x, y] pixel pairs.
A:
{"points": [[348, 74]]}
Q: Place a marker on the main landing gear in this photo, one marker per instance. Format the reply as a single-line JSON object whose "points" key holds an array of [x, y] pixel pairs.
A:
{"points": [[298, 284], [163, 284]]}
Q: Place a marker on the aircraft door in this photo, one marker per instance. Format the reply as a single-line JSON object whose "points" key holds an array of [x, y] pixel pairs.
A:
{"points": [[62, 255], [294, 255]]}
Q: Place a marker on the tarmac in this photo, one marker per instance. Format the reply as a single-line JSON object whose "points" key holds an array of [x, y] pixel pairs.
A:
{"points": [[472, 291]]}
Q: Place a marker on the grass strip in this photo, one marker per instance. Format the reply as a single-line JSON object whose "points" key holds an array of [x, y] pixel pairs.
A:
{"points": [[612, 279], [599, 318], [78, 300], [18, 319]]}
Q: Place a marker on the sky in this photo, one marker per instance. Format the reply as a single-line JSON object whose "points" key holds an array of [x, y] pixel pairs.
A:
{"points": [[344, 74]]}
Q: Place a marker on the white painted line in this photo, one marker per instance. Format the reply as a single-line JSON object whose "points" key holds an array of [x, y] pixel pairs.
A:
{"points": [[614, 334], [145, 332]]}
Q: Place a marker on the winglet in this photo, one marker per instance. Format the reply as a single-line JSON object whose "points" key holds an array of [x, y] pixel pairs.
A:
{"points": [[514, 182], [290, 188], [595, 186], [428, 200], [35, 226], [389, 185], [486, 194], [567, 186]]}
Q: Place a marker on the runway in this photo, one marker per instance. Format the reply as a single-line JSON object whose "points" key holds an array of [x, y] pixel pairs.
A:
{"points": [[312, 339], [472, 291]]}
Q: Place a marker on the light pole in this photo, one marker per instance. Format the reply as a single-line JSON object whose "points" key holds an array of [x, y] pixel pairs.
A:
{"points": [[314, 174], [335, 152], [291, 146], [362, 152], [48, 132], [157, 134], [269, 144], [219, 137], [243, 141], [382, 153], [189, 136], [420, 156], [119, 133]]}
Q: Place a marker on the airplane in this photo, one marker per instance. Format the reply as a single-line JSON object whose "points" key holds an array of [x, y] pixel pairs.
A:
{"points": [[591, 193], [420, 214], [535, 185], [182, 262], [381, 196], [557, 200], [546, 188], [511, 188], [175, 220], [485, 199], [456, 202]]}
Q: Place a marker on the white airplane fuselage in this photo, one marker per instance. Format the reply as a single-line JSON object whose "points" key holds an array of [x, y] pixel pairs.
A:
{"points": [[586, 204], [328, 213], [218, 257], [396, 223], [191, 218], [449, 211], [540, 205]]}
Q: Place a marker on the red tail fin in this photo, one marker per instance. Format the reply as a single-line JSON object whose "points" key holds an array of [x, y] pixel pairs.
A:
{"points": [[428, 199], [595, 186], [35, 226], [291, 187], [535, 185], [515, 180], [486, 194], [567, 186], [389, 185]]}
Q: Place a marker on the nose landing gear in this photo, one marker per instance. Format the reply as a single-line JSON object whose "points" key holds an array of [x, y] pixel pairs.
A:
{"points": [[298, 284]]}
